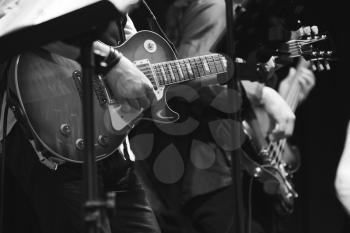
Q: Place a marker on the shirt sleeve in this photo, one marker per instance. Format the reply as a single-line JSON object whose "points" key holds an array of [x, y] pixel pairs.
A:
{"points": [[129, 28], [254, 91], [203, 25]]}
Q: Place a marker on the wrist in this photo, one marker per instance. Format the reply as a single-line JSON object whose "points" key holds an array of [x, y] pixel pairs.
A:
{"points": [[255, 92], [265, 95], [105, 63]]}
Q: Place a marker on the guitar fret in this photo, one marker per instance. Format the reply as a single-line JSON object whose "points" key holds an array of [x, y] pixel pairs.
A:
{"points": [[206, 66], [159, 76], [200, 66], [181, 75], [194, 67], [189, 69], [164, 77], [171, 73], [184, 70], [211, 64], [175, 71], [156, 71], [187, 73], [218, 64], [178, 71]]}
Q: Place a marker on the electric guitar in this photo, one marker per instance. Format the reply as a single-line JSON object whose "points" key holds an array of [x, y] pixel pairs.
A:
{"points": [[273, 163], [47, 89]]}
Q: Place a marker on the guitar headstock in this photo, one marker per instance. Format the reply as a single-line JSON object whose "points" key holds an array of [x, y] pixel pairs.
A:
{"points": [[312, 47]]}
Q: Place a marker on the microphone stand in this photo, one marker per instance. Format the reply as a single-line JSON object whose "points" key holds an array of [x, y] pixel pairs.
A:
{"points": [[95, 208], [92, 211], [233, 84]]}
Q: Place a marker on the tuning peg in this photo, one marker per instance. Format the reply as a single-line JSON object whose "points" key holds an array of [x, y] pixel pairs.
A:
{"points": [[313, 66], [329, 53], [314, 30], [307, 30], [321, 53], [327, 65], [320, 67]]}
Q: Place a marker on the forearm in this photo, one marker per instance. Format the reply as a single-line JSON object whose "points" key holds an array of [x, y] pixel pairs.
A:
{"points": [[254, 91]]}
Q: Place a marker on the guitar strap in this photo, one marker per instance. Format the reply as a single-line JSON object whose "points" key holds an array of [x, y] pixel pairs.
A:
{"points": [[43, 155]]}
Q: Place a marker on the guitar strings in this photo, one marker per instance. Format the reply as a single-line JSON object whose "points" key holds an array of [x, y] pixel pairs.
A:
{"points": [[277, 148], [292, 99]]}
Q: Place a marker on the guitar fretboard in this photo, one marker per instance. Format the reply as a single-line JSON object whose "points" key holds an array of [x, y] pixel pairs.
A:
{"points": [[188, 69]]}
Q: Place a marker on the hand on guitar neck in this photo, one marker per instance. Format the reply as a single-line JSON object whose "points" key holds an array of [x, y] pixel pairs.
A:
{"points": [[280, 112], [298, 83], [304, 31], [293, 89]]}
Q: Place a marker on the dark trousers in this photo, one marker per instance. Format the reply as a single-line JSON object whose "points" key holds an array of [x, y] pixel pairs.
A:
{"points": [[209, 213], [214, 212], [44, 201]]}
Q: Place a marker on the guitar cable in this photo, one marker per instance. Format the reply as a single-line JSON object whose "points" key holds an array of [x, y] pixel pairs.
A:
{"points": [[3, 160], [3, 87], [250, 205]]}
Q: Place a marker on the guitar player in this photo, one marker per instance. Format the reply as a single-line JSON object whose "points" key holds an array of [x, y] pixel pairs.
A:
{"points": [[53, 199], [197, 196]]}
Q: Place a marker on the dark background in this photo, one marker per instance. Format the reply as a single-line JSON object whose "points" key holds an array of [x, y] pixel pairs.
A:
{"points": [[320, 129], [321, 122]]}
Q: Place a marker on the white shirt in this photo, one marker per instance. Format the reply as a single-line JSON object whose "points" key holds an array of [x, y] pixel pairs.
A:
{"points": [[342, 180]]}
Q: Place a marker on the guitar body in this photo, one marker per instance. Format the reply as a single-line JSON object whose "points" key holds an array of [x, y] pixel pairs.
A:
{"points": [[290, 154], [259, 160], [47, 90]]}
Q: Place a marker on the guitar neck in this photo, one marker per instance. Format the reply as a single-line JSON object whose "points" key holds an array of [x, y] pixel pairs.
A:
{"points": [[292, 96], [182, 70]]}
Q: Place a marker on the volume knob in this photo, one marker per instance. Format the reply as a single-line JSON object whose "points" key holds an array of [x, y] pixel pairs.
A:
{"points": [[65, 129], [80, 144], [103, 140]]}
